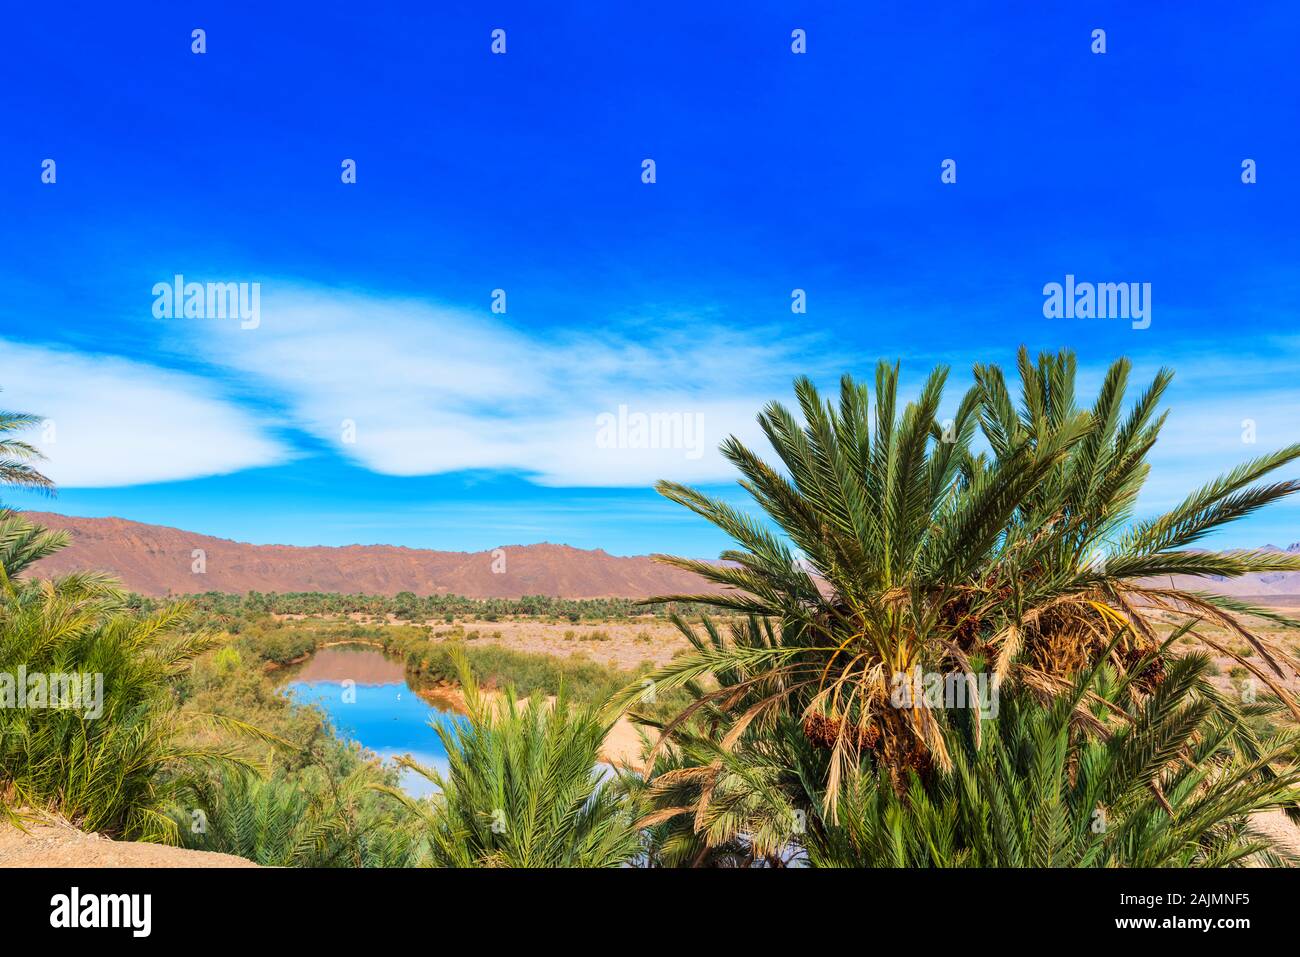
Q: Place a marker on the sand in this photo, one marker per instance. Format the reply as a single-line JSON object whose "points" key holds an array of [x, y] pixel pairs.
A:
{"points": [[50, 842], [625, 645]]}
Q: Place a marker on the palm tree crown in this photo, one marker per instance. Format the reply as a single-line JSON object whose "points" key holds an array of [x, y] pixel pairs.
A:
{"points": [[915, 550]]}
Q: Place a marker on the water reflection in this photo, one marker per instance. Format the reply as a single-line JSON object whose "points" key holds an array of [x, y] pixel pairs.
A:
{"points": [[366, 696]]}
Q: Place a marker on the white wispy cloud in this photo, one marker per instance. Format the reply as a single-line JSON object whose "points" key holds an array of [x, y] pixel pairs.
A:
{"points": [[432, 389], [110, 421]]}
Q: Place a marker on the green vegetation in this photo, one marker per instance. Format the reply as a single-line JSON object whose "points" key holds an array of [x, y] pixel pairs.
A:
{"points": [[1035, 794], [429, 656], [579, 679], [285, 820], [798, 730], [113, 756], [418, 608], [17, 456], [1022, 567], [520, 791]]}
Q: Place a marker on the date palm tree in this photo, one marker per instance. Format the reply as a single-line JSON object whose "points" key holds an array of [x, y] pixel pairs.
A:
{"points": [[23, 543], [915, 551]]}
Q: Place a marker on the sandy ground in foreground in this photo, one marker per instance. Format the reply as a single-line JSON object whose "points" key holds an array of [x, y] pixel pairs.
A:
{"points": [[53, 843], [1279, 828]]}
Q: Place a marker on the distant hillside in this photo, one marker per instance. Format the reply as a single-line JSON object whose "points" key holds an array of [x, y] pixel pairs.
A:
{"points": [[1281, 588], [157, 560]]}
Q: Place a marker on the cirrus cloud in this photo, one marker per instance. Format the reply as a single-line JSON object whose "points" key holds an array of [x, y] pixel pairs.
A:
{"points": [[110, 421], [406, 387]]}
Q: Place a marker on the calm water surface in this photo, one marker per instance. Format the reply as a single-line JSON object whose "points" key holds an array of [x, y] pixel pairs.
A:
{"points": [[382, 713]]}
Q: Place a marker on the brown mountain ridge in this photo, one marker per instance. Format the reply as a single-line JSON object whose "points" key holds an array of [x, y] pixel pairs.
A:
{"points": [[158, 560]]}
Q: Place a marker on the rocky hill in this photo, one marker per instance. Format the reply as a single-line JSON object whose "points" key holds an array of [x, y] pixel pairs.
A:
{"points": [[157, 560]]}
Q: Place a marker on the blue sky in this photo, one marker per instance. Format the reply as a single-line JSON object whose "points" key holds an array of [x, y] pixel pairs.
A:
{"points": [[522, 172]]}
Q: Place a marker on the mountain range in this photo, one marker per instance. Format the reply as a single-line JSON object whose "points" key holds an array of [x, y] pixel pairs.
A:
{"points": [[158, 560], [1282, 588]]}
